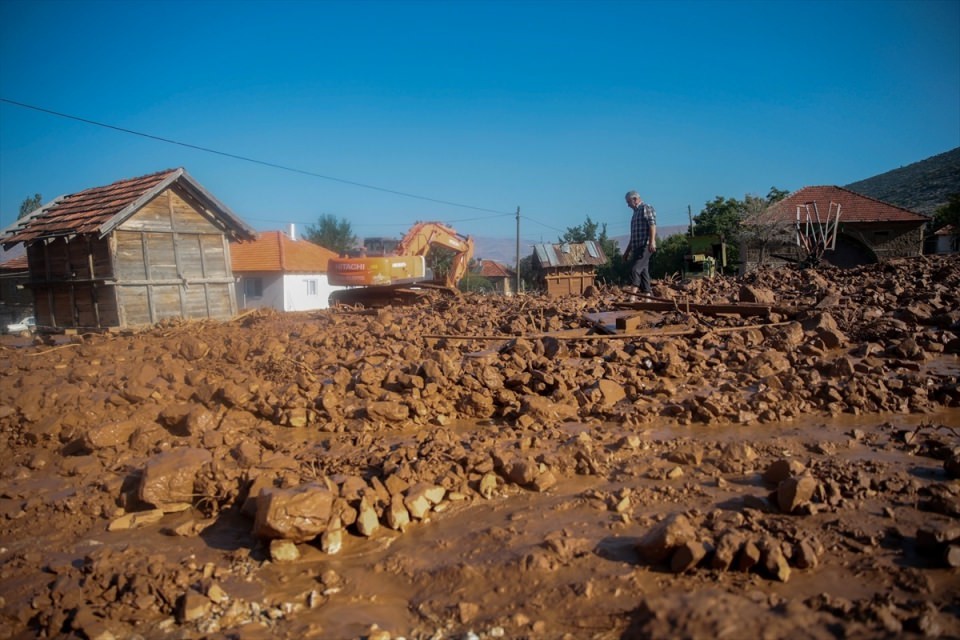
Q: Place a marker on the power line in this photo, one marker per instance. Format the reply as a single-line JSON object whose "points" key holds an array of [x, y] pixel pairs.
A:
{"points": [[265, 163]]}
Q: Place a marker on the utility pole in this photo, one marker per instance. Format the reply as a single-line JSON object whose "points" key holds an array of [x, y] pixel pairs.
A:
{"points": [[517, 292]]}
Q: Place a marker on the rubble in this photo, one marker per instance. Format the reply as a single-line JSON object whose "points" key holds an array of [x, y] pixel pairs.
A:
{"points": [[519, 471]]}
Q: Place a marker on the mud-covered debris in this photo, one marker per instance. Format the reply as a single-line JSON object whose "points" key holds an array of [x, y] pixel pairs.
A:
{"points": [[660, 542], [168, 478], [298, 514]]}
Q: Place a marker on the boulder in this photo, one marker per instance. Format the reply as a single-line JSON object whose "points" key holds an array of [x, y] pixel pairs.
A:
{"points": [[168, 478], [298, 513]]}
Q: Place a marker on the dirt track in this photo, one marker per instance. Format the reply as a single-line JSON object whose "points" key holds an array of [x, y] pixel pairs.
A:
{"points": [[380, 475]]}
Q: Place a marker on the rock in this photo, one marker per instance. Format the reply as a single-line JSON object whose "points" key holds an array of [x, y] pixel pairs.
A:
{"points": [[665, 537], [111, 434], [754, 294], [331, 540], [283, 550], [488, 485], [805, 556], [136, 520], [749, 556], [774, 562], [421, 497], [794, 492], [543, 409], [388, 411], [610, 392], [367, 520], [545, 481], [396, 515], [782, 469], [687, 556], [952, 556], [298, 514], [192, 606], [168, 478], [192, 348], [728, 545], [523, 472]]}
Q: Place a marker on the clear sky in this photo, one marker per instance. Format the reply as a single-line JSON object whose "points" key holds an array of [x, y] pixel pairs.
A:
{"points": [[474, 108]]}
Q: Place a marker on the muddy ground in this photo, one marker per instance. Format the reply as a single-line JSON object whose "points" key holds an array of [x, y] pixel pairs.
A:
{"points": [[489, 467]]}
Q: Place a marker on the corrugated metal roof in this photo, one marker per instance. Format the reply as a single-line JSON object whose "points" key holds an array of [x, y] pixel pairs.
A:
{"points": [[570, 254], [100, 209], [854, 207], [274, 251]]}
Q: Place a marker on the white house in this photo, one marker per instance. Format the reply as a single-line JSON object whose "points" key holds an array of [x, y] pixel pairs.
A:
{"points": [[947, 240], [278, 271]]}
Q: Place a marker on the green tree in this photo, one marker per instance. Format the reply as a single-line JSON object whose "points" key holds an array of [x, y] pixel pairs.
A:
{"points": [[29, 205], [721, 216], [776, 195], [336, 235], [948, 213], [528, 277], [668, 258]]}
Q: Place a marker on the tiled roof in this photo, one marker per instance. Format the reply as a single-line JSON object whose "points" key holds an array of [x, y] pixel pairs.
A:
{"points": [[491, 269], [854, 207], [570, 254], [100, 209], [15, 264], [274, 251], [948, 230]]}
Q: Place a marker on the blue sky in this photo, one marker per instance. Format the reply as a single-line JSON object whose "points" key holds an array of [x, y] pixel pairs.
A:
{"points": [[475, 108]]}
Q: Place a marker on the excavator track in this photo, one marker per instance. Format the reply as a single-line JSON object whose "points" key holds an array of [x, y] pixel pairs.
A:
{"points": [[387, 296]]}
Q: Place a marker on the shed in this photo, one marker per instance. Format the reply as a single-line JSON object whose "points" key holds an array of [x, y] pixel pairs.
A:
{"points": [[868, 230], [130, 253], [499, 276], [567, 268]]}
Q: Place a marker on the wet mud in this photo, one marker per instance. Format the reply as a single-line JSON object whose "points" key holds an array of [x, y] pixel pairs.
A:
{"points": [[488, 467]]}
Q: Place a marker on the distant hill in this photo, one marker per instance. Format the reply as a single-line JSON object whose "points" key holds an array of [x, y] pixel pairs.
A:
{"points": [[922, 186]]}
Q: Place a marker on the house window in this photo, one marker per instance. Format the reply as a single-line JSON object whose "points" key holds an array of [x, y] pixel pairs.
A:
{"points": [[311, 287], [253, 287]]}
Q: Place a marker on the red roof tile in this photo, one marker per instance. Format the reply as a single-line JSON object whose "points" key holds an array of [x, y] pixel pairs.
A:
{"points": [[274, 251], [491, 269], [15, 264], [854, 207], [99, 209]]}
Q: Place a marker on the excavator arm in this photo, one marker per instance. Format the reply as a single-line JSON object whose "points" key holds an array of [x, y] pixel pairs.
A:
{"points": [[424, 236], [402, 277]]}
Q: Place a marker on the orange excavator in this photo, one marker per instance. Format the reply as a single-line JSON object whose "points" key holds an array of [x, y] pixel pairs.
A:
{"points": [[395, 273]]}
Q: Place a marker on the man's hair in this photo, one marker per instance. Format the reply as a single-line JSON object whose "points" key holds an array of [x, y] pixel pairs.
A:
{"points": [[630, 194]]}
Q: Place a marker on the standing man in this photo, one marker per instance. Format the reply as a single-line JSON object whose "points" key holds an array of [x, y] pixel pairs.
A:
{"points": [[643, 241]]}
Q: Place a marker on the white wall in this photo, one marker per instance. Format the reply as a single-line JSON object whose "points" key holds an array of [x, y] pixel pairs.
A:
{"points": [[272, 291], [299, 297], [287, 292]]}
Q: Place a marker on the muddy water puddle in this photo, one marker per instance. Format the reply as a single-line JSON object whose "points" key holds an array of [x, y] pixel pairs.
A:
{"points": [[554, 561]]}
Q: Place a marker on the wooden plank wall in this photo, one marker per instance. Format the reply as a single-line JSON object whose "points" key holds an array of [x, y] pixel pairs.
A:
{"points": [[69, 279], [173, 262]]}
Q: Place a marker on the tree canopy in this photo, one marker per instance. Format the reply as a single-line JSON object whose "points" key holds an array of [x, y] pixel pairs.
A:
{"points": [[336, 235], [29, 205], [948, 213]]}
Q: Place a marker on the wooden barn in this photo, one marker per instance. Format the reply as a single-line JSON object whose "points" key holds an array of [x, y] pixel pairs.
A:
{"points": [[131, 253], [567, 268]]}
